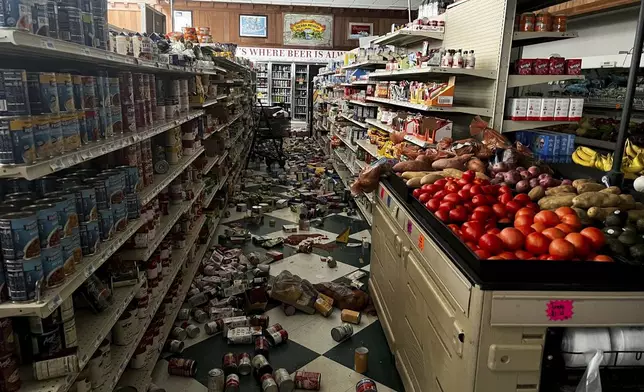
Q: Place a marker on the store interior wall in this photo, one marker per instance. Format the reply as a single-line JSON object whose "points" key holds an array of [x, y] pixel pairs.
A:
{"points": [[223, 20], [601, 37]]}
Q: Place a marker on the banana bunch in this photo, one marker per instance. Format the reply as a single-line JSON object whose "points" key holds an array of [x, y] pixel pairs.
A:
{"points": [[585, 156], [632, 162]]}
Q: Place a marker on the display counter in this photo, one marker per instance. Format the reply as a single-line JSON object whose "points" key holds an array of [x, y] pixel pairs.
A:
{"points": [[455, 323]]}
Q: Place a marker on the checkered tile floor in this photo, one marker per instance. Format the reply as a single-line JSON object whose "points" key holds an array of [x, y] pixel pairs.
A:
{"points": [[310, 346]]}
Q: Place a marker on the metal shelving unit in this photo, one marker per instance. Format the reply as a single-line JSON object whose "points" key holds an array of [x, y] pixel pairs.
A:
{"points": [[407, 37]]}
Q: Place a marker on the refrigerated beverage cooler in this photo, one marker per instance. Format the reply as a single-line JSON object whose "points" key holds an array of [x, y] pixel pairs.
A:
{"points": [[287, 85], [301, 92], [262, 83], [282, 86]]}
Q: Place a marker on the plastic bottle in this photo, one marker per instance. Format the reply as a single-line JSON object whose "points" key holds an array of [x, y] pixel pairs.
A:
{"points": [[447, 59], [457, 61], [471, 60]]}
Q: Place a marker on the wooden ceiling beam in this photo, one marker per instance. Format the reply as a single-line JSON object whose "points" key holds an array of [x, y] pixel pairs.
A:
{"points": [[581, 7]]}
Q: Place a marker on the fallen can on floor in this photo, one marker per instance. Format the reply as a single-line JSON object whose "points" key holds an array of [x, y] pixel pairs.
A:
{"points": [[283, 380], [366, 385], [268, 383], [216, 380], [182, 367], [309, 381], [342, 332]]}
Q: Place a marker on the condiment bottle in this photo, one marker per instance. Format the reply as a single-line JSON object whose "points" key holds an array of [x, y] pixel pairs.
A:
{"points": [[447, 59], [471, 60], [457, 61]]}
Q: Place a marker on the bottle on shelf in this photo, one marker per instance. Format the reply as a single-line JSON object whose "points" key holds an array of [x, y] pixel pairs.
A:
{"points": [[471, 60], [457, 61]]}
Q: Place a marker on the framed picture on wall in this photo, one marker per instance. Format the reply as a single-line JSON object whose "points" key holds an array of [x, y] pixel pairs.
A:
{"points": [[359, 30], [253, 26]]}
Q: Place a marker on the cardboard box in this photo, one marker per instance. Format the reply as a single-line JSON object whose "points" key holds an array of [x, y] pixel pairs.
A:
{"points": [[433, 129], [576, 109], [533, 109], [547, 109], [543, 146], [518, 109], [562, 106]]}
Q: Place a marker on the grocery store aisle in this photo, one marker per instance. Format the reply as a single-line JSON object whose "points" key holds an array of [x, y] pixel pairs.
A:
{"points": [[310, 346]]}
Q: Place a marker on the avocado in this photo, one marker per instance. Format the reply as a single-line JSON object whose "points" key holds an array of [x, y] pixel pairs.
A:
{"points": [[613, 220], [612, 231], [630, 229], [637, 252], [622, 215], [640, 225], [616, 246], [628, 238]]}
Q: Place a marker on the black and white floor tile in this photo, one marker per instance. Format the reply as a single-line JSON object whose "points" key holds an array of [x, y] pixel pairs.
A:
{"points": [[310, 346]]}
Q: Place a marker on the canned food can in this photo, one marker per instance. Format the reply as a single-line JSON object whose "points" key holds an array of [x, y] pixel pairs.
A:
{"points": [[13, 89], [192, 331], [350, 316], [103, 90], [39, 19], [56, 135], [216, 380], [71, 131], [105, 123], [70, 26], [283, 380], [279, 337], [139, 114], [133, 181], [268, 383], [69, 335], [49, 230], [106, 224], [19, 235], [43, 92], [174, 346], [232, 383], [100, 186], [184, 314], [7, 337], [22, 276], [101, 32], [179, 333], [68, 247], [88, 91], [117, 119], [261, 365], [261, 346], [18, 15], [85, 197], [77, 82], [274, 328], [342, 332], [309, 381], [114, 90], [243, 364], [126, 87], [17, 145], [133, 204], [65, 88], [128, 117], [259, 321], [42, 136], [119, 212], [200, 316], [214, 327], [82, 126], [90, 237], [92, 120], [366, 385], [182, 367], [66, 209], [229, 363]]}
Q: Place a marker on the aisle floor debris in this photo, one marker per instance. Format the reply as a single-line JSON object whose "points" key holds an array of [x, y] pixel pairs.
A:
{"points": [[310, 346]]}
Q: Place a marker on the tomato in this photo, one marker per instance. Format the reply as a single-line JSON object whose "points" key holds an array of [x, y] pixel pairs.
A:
{"points": [[462, 182], [467, 187], [537, 243], [452, 187], [478, 216], [440, 194], [523, 255], [416, 193], [547, 218], [538, 227], [433, 188], [581, 244], [561, 211], [440, 182], [505, 198], [472, 231], [505, 189], [446, 206], [469, 175], [512, 207], [504, 221], [553, 233], [464, 195], [524, 211], [534, 207], [455, 229], [561, 248], [458, 214], [595, 236], [565, 228], [487, 210], [603, 259], [544, 257], [443, 215], [491, 199], [482, 254], [522, 220], [468, 206], [433, 205], [452, 198], [499, 210], [426, 187], [489, 189], [572, 221], [508, 256], [424, 198], [522, 199], [479, 200], [495, 258], [525, 229], [494, 230], [490, 224], [551, 257], [512, 238], [491, 243], [476, 190]]}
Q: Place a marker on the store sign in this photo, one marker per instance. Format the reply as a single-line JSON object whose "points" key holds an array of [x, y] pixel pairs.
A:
{"points": [[308, 30], [288, 55]]}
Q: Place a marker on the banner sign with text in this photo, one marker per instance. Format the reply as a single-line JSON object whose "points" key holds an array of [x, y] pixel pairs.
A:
{"points": [[288, 55]]}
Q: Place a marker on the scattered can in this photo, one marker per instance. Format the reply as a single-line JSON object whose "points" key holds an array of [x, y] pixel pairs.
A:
{"points": [[283, 380], [309, 381], [216, 380], [268, 383], [350, 316], [342, 332], [17, 145], [182, 367], [244, 366], [174, 346], [229, 362], [214, 327], [366, 385], [274, 328], [360, 359], [279, 337], [261, 346], [232, 383], [261, 366], [192, 330]]}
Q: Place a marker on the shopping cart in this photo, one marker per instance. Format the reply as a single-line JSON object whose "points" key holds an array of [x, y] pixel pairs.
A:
{"points": [[273, 126]]}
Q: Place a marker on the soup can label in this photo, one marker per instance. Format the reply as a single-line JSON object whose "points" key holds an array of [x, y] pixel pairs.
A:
{"points": [[42, 136], [128, 117], [117, 119], [56, 134], [82, 126], [71, 131], [89, 92], [133, 205], [67, 215], [366, 385], [105, 123], [77, 82], [65, 92], [85, 203], [92, 125], [119, 212], [22, 276], [309, 381], [17, 140], [43, 92], [39, 19], [68, 248], [48, 225], [90, 237], [101, 188], [114, 91], [52, 265], [19, 236], [106, 224]]}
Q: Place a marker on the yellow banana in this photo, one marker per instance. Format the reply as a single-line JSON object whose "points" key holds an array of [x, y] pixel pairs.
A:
{"points": [[583, 155], [588, 150], [628, 149], [636, 148], [634, 165], [583, 162]]}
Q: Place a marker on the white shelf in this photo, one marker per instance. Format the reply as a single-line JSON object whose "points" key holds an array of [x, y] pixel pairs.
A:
{"points": [[215, 189], [361, 164], [447, 109], [372, 105], [356, 122], [26, 44], [346, 142], [167, 222], [89, 151], [529, 80], [212, 162], [95, 327], [205, 104], [407, 37], [512, 126], [345, 162], [163, 180], [523, 38], [479, 73], [363, 209], [362, 83], [327, 73], [140, 378], [368, 147], [378, 124], [366, 64]]}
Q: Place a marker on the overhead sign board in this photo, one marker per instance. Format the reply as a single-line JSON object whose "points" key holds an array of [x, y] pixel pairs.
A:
{"points": [[288, 55]]}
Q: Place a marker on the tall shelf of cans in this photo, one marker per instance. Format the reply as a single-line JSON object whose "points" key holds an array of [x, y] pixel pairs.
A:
{"points": [[114, 173]]}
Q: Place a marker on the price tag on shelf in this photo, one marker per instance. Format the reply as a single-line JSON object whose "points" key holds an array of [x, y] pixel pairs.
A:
{"points": [[104, 150], [69, 161], [85, 51], [89, 270], [48, 44], [55, 302], [421, 242], [409, 226], [57, 165]]}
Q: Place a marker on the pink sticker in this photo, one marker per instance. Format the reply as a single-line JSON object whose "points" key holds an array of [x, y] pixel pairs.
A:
{"points": [[409, 227], [382, 193], [560, 309]]}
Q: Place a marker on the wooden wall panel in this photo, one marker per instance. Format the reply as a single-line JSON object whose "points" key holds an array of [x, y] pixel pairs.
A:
{"points": [[125, 18], [581, 7], [223, 19]]}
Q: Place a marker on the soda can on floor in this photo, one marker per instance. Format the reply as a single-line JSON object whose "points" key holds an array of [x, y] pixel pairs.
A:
{"points": [[366, 385], [244, 366], [261, 366], [192, 331], [214, 327], [342, 332], [274, 328], [182, 367], [261, 346], [216, 380], [268, 383], [309, 381], [279, 337], [229, 363], [283, 380], [232, 383], [174, 346]]}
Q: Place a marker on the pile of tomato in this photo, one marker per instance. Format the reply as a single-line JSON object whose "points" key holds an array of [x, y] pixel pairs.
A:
{"points": [[496, 224]]}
